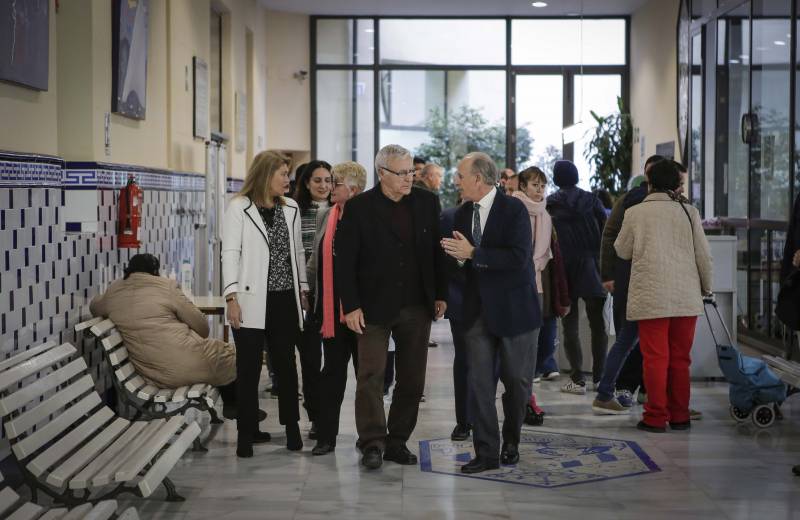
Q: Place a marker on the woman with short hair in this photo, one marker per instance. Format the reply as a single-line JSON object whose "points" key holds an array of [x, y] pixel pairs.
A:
{"points": [[340, 343], [670, 273], [263, 269]]}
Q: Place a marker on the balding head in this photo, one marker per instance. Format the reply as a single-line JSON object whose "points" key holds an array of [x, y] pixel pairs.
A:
{"points": [[483, 166]]}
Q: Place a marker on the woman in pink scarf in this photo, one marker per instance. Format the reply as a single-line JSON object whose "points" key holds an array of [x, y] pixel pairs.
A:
{"points": [[339, 342], [532, 186]]}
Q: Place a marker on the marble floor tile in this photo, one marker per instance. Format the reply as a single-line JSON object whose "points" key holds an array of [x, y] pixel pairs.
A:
{"points": [[717, 470]]}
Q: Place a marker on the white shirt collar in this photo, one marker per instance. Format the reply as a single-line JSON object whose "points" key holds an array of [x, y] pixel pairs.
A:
{"points": [[488, 199]]}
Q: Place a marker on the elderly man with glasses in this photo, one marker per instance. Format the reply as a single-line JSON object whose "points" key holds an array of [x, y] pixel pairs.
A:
{"points": [[390, 276]]}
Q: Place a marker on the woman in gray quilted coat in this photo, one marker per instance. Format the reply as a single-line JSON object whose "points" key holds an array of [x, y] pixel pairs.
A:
{"points": [[671, 271]]}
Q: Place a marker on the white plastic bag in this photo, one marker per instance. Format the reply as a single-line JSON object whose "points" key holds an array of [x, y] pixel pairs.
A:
{"points": [[608, 315]]}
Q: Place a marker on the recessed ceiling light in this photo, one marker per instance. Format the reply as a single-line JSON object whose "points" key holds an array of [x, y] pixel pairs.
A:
{"points": [[779, 42], [369, 30], [539, 4]]}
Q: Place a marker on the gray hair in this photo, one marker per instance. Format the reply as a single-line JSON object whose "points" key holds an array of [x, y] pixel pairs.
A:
{"points": [[428, 169], [483, 166], [388, 152]]}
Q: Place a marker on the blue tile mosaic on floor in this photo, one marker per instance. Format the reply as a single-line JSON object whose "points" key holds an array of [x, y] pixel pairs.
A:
{"points": [[547, 460]]}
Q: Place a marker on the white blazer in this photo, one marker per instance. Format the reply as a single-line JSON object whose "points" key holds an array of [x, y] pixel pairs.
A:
{"points": [[245, 258]]}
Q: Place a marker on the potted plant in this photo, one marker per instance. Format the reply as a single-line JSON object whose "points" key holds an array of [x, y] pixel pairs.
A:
{"points": [[610, 151]]}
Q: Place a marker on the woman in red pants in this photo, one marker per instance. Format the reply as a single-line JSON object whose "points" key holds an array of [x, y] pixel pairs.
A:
{"points": [[671, 271]]}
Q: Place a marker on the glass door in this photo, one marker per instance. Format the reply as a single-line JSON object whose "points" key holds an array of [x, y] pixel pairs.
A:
{"points": [[539, 112]]}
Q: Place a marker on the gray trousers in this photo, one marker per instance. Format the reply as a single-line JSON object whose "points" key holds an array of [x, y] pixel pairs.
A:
{"points": [[515, 356]]}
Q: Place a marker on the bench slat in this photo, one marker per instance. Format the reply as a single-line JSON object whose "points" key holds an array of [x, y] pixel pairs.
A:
{"points": [[147, 392], [55, 514], [62, 398], [8, 498], [164, 395], [197, 390], [212, 396], [124, 372], [81, 480], [51, 430], [118, 357], [79, 513], [134, 384], [106, 474], [101, 328], [168, 459], [111, 341], [28, 511], [128, 514], [87, 324], [180, 394], [52, 455], [59, 476], [22, 370], [138, 460], [102, 511], [38, 388], [22, 356]]}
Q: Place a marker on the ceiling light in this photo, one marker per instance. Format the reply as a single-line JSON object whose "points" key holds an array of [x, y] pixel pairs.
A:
{"points": [[733, 61], [369, 30], [539, 4], [779, 42]]}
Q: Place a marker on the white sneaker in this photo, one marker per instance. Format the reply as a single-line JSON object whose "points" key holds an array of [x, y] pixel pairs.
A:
{"points": [[537, 379], [552, 376], [574, 388]]}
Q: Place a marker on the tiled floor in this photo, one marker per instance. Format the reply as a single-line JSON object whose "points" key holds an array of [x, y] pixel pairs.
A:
{"points": [[718, 470]]}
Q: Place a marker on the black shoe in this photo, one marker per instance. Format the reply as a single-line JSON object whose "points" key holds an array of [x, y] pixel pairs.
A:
{"points": [[479, 464], [323, 448], [796, 470], [231, 413], [294, 442], [261, 437], [372, 458], [680, 426], [652, 429], [532, 418], [510, 454], [400, 455], [460, 433], [244, 446], [312, 433], [432, 344]]}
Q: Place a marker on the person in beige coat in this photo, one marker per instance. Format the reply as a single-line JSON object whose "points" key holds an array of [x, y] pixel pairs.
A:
{"points": [[165, 334], [671, 272]]}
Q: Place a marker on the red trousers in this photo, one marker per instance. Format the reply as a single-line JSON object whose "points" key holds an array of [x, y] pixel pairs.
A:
{"points": [[666, 344]]}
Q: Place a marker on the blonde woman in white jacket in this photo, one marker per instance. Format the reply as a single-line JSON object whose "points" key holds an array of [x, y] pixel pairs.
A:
{"points": [[263, 270]]}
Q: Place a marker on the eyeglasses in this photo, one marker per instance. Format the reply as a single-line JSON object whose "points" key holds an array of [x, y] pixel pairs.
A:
{"points": [[403, 175]]}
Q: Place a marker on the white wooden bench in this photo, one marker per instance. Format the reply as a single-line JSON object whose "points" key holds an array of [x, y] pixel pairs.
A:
{"points": [[72, 447], [787, 371], [148, 400], [13, 507]]}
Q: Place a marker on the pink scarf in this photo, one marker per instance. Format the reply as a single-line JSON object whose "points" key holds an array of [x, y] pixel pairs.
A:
{"points": [[328, 305], [542, 227]]}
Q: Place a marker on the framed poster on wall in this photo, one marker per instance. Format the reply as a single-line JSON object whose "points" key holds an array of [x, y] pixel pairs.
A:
{"points": [[200, 82], [129, 57], [25, 42]]}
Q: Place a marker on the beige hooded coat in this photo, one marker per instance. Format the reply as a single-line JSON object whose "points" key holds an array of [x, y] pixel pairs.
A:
{"points": [[165, 334]]}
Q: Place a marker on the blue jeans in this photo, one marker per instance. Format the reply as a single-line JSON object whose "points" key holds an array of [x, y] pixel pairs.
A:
{"points": [[626, 340], [545, 356]]}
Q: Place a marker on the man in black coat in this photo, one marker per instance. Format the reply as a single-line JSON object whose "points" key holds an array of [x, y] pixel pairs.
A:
{"points": [[500, 310], [390, 276], [579, 218]]}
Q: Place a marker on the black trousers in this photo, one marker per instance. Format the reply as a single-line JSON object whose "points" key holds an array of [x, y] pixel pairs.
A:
{"points": [[333, 380], [631, 376], [281, 335], [460, 373], [572, 342], [310, 348]]}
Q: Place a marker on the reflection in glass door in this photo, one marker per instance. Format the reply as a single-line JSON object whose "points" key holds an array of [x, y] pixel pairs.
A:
{"points": [[540, 114]]}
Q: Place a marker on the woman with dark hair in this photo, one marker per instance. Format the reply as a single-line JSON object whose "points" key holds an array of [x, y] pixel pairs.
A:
{"points": [[165, 334], [312, 194], [263, 269], [670, 273]]}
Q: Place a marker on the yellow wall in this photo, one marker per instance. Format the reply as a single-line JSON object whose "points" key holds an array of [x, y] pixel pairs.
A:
{"points": [[68, 119], [28, 118], [653, 77]]}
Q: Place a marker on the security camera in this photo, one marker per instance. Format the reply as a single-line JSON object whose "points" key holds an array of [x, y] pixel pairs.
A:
{"points": [[301, 75]]}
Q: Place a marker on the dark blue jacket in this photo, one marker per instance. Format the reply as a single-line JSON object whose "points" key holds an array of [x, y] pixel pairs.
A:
{"points": [[792, 240], [500, 283], [579, 217], [457, 278]]}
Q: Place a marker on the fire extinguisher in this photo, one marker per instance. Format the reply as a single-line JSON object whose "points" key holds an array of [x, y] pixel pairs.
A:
{"points": [[130, 202]]}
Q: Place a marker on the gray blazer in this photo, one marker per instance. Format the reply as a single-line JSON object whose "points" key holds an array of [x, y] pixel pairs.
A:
{"points": [[322, 223]]}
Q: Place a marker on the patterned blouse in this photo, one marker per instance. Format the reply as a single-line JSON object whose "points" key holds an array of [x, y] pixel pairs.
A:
{"points": [[308, 222], [280, 263]]}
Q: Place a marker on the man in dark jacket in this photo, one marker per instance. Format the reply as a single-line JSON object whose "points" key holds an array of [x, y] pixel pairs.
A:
{"points": [[491, 244], [390, 275], [579, 217]]}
